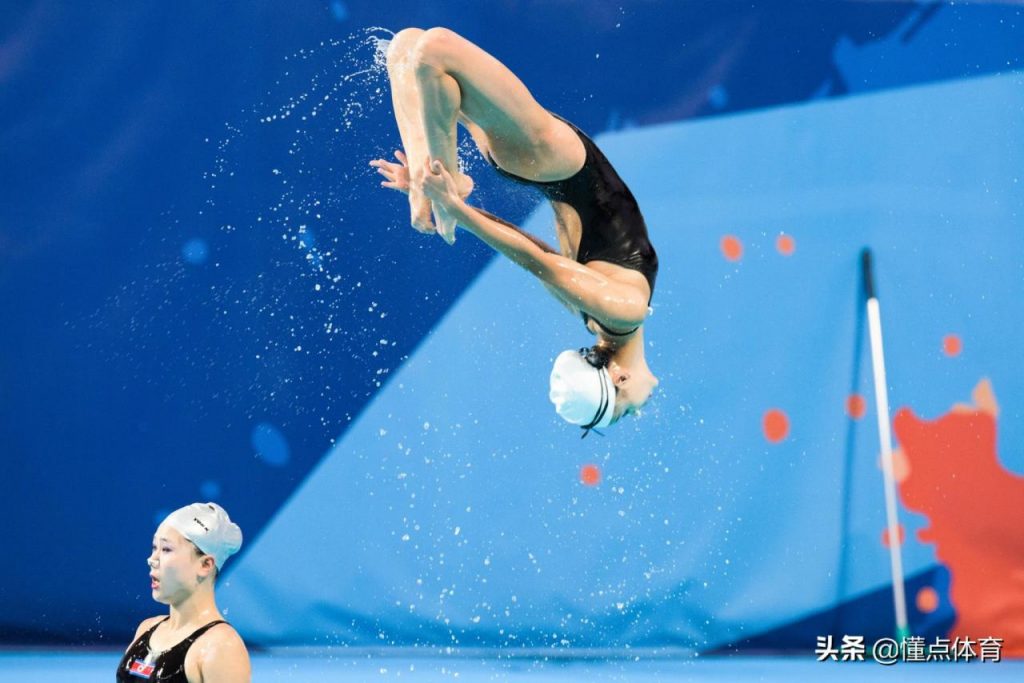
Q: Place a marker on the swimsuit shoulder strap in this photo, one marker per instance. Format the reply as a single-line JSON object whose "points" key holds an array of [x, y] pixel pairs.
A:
{"points": [[201, 630], [193, 637], [144, 638]]}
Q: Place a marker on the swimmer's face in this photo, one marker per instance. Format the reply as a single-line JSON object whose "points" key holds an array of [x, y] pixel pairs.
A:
{"points": [[176, 566], [632, 390]]}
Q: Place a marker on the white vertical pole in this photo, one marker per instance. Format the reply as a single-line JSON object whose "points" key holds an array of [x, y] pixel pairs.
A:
{"points": [[885, 439]]}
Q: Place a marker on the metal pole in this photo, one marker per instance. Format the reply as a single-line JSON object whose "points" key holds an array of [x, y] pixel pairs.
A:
{"points": [[885, 439]]}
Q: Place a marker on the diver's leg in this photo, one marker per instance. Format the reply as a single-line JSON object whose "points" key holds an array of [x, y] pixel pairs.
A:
{"points": [[457, 79], [440, 99], [405, 97]]}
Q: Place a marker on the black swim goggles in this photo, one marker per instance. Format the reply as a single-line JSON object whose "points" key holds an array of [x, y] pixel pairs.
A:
{"points": [[597, 359]]}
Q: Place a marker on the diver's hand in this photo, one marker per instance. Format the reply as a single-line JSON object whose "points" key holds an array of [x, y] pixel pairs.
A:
{"points": [[439, 186], [396, 176], [445, 195]]}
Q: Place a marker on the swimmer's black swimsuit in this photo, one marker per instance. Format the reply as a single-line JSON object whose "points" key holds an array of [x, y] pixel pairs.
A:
{"points": [[167, 667], [612, 228]]}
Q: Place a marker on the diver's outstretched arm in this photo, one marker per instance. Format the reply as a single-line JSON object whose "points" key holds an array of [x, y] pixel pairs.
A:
{"points": [[396, 177], [609, 300], [544, 246]]}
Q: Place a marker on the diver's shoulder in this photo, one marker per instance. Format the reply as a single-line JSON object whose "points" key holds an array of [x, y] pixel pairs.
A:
{"points": [[148, 624], [223, 633]]}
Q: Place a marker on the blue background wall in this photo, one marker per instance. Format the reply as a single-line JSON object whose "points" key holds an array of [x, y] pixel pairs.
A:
{"points": [[205, 296]]}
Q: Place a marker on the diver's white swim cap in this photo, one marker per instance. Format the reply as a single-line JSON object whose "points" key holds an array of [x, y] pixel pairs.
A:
{"points": [[583, 394], [209, 527]]}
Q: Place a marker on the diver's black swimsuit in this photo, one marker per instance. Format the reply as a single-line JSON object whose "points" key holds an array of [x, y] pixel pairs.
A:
{"points": [[139, 664], [612, 228]]}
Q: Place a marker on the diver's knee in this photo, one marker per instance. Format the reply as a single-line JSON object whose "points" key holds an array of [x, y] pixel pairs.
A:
{"points": [[403, 44], [435, 46]]}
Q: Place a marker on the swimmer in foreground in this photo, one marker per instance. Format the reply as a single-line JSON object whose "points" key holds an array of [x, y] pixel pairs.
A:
{"points": [[605, 268], [193, 644]]}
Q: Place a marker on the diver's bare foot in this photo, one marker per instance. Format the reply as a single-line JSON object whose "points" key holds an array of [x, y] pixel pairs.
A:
{"points": [[419, 210], [465, 185], [445, 223]]}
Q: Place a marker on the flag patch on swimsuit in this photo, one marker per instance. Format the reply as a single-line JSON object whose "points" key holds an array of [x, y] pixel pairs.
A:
{"points": [[141, 669]]}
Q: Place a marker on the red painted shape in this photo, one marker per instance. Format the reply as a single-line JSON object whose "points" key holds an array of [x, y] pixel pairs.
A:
{"points": [[951, 345], [590, 475], [775, 425], [785, 244], [900, 533], [732, 248], [927, 600], [856, 406], [973, 505]]}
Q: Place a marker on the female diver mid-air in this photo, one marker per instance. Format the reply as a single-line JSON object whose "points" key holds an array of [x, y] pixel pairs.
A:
{"points": [[607, 265]]}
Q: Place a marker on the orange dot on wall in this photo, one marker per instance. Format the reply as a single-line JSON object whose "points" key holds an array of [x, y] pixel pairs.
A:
{"points": [[732, 248], [951, 345], [899, 533], [776, 425], [855, 406], [785, 244], [590, 475], [927, 600]]}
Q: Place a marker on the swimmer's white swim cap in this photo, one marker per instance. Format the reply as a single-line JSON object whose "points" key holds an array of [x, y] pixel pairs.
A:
{"points": [[209, 527], [583, 394]]}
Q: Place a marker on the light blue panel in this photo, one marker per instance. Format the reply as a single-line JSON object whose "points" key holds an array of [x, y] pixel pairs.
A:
{"points": [[451, 512]]}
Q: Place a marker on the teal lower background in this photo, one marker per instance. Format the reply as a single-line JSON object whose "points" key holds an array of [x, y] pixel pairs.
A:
{"points": [[97, 667]]}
